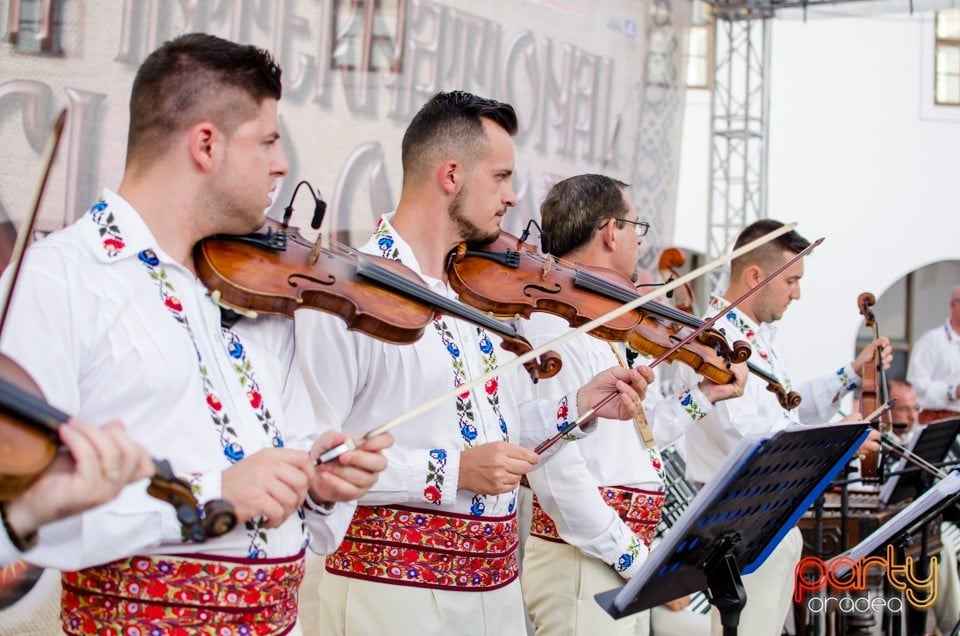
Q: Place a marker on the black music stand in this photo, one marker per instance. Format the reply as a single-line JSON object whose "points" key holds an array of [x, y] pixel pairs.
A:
{"points": [[932, 444], [738, 518]]}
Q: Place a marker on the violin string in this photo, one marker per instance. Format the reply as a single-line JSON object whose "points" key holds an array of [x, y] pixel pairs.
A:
{"points": [[533, 353]]}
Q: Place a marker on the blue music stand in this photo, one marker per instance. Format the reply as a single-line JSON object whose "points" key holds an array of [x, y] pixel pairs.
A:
{"points": [[738, 518]]}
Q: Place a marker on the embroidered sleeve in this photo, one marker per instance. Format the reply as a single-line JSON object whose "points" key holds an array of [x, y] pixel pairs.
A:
{"points": [[848, 379], [567, 413], [442, 477], [633, 556], [695, 403]]}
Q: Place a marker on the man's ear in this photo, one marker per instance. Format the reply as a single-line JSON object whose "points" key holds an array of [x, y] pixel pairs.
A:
{"points": [[608, 233], [449, 176], [753, 275], [203, 140]]}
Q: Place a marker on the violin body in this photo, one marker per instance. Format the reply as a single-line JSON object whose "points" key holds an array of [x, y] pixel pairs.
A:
{"points": [[528, 283], [28, 430], [276, 271], [25, 450], [250, 277]]}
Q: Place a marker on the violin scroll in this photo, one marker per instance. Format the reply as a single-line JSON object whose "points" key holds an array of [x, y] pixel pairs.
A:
{"points": [[865, 302], [218, 516]]}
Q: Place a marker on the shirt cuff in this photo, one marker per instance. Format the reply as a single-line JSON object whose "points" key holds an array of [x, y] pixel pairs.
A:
{"points": [[695, 403], [569, 412], [633, 556], [848, 379], [443, 477], [321, 508]]}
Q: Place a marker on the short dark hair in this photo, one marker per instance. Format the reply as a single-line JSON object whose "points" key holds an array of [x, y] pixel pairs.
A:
{"points": [[770, 255], [195, 77], [574, 207], [452, 123]]}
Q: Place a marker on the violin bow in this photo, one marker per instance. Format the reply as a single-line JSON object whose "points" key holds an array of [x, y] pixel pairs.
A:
{"points": [[591, 412], [352, 443], [16, 256]]}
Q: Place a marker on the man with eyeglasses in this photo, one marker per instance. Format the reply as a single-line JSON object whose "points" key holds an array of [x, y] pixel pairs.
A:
{"points": [[934, 368], [906, 426], [597, 502]]}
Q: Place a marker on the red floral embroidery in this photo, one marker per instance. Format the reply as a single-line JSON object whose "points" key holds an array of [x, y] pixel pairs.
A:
{"points": [[214, 402], [173, 303], [432, 494], [113, 244], [255, 398], [562, 412], [409, 546], [464, 395], [491, 386], [179, 597], [639, 509]]}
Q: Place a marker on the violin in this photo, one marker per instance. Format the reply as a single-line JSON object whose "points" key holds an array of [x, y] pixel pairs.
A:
{"points": [[28, 424], [508, 278], [672, 258], [277, 271], [873, 393], [28, 427]]}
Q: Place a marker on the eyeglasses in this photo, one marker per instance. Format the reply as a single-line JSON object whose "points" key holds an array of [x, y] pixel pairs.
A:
{"points": [[906, 409], [639, 227]]}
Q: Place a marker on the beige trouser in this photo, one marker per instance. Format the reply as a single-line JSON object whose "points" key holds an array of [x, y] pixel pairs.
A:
{"points": [[559, 582], [946, 607], [666, 622], [356, 607], [769, 591]]}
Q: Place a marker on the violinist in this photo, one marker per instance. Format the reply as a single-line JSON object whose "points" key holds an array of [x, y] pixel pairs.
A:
{"points": [[98, 462], [934, 367], [717, 428], [111, 321], [583, 541], [452, 476]]}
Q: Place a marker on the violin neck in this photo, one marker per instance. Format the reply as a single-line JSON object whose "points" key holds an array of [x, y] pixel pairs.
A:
{"points": [[596, 284], [32, 409], [369, 270]]}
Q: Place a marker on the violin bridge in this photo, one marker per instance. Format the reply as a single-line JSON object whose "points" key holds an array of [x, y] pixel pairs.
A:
{"points": [[547, 266], [217, 299], [315, 252]]}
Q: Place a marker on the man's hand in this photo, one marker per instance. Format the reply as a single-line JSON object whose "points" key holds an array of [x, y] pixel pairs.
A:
{"points": [[886, 355], [871, 444], [272, 482], [677, 604], [350, 475], [494, 468], [630, 383], [717, 392], [95, 464]]}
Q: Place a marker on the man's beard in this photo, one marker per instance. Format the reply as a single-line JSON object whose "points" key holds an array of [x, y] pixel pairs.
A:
{"points": [[467, 229]]}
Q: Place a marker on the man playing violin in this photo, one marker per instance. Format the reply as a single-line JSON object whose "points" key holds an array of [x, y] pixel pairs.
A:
{"points": [[716, 429], [598, 502], [432, 548], [112, 322]]}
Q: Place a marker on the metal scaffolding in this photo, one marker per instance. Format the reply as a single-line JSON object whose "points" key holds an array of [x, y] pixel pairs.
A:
{"points": [[738, 132]]}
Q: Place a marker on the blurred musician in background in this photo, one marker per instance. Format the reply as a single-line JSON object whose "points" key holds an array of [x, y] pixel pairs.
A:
{"points": [[934, 368]]}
